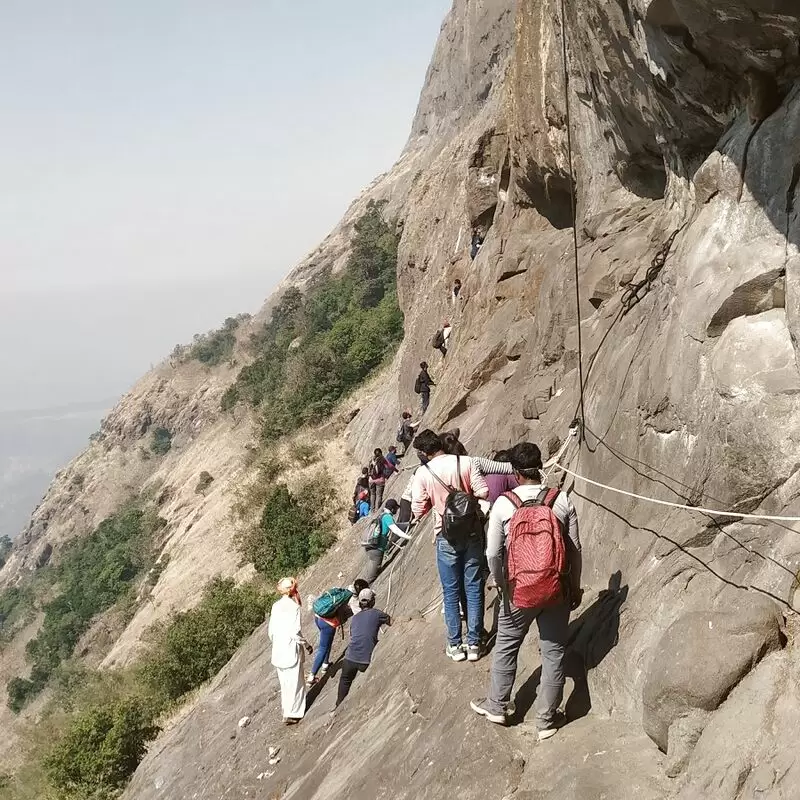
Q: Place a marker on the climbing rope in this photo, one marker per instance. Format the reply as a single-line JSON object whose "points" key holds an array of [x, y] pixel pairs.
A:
{"points": [[573, 204], [710, 511], [631, 296]]}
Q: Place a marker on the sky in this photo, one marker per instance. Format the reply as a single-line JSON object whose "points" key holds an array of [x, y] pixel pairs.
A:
{"points": [[165, 162]]}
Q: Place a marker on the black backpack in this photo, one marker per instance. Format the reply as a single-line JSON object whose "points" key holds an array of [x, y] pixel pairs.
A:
{"points": [[418, 385], [438, 339], [461, 520]]}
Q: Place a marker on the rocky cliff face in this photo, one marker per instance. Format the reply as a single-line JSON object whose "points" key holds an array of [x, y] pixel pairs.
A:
{"points": [[685, 120]]}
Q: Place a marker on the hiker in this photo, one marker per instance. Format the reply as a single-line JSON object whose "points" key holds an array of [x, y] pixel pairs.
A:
{"points": [[287, 650], [488, 467], [364, 630], [531, 527], [361, 483], [378, 540], [378, 469], [446, 331], [359, 584], [423, 384], [454, 296], [331, 612], [451, 484], [477, 242], [405, 431], [392, 459], [437, 342], [498, 483], [363, 504], [451, 444], [404, 514]]}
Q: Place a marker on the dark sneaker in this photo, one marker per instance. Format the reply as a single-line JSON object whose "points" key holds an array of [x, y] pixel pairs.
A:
{"points": [[479, 707], [473, 652], [456, 652]]}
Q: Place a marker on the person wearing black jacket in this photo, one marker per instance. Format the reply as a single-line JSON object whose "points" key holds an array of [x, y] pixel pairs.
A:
{"points": [[423, 385]]}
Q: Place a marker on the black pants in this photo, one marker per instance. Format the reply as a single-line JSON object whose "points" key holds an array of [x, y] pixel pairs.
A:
{"points": [[404, 514], [349, 671]]}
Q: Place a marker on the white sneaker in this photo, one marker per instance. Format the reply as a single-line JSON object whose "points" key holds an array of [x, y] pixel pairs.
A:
{"points": [[456, 652], [479, 707]]}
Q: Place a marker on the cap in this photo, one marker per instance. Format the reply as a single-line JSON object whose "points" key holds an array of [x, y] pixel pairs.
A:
{"points": [[391, 505], [366, 595]]}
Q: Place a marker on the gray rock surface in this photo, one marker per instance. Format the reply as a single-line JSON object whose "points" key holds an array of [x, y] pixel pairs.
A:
{"points": [[689, 275], [688, 268]]}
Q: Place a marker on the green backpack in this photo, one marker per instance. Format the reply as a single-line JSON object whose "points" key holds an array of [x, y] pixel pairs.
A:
{"points": [[328, 603]]}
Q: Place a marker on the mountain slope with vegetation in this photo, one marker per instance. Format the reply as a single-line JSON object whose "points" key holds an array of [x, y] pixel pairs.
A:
{"points": [[673, 338]]}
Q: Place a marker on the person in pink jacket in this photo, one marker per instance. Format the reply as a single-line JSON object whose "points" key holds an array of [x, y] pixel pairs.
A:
{"points": [[460, 565]]}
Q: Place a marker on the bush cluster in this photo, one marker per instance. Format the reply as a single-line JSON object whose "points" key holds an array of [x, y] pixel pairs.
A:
{"points": [[162, 442], [94, 573], [216, 347], [319, 346], [101, 750], [194, 645], [294, 529], [5, 549]]}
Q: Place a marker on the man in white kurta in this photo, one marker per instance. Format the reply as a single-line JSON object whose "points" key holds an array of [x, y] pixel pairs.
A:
{"points": [[287, 651]]}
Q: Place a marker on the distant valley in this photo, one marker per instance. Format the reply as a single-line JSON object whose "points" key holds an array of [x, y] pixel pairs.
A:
{"points": [[34, 445]]}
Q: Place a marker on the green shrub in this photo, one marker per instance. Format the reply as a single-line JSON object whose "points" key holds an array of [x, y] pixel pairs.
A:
{"points": [[294, 530], [203, 482], [101, 750], [318, 347], [196, 644], [5, 548], [216, 347], [16, 606], [94, 573], [162, 442]]}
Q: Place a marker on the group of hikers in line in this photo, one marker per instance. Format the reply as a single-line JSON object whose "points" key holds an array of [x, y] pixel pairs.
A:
{"points": [[332, 610], [494, 519]]}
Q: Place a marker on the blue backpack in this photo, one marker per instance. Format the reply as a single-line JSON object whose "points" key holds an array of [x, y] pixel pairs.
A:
{"points": [[328, 603]]}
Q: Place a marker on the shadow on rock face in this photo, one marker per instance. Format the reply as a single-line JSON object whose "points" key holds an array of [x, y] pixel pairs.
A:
{"points": [[592, 636]]}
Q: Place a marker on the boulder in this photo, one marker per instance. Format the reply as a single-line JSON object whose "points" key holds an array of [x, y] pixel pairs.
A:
{"points": [[697, 662]]}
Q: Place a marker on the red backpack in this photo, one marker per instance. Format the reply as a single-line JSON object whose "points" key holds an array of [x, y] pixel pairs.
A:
{"points": [[536, 558]]}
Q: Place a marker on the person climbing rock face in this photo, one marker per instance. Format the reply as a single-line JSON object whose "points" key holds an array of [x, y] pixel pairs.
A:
{"points": [[422, 386], [459, 554], [456, 292], [378, 540], [477, 242], [443, 338], [361, 484], [532, 593], [288, 646], [405, 431], [364, 630], [380, 470]]}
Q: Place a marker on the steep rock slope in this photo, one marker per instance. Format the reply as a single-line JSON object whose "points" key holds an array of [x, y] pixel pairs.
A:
{"points": [[687, 235], [184, 396], [684, 127]]}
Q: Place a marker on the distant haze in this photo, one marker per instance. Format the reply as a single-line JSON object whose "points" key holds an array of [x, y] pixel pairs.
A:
{"points": [[164, 164]]}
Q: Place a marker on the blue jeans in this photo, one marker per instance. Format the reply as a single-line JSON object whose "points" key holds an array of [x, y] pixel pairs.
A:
{"points": [[326, 634], [460, 571]]}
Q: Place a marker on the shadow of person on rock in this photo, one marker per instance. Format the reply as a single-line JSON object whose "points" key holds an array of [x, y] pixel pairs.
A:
{"points": [[316, 690], [591, 638]]}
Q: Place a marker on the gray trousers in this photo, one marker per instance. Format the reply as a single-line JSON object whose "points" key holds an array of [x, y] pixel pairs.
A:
{"points": [[512, 628], [374, 561]]}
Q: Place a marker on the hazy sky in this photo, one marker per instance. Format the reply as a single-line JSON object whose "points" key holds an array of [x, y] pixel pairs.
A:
{"points": [[164, 162]]}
